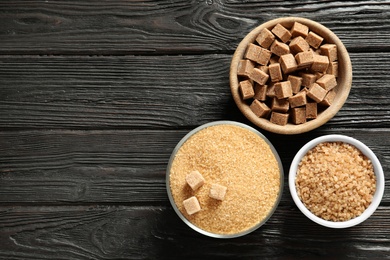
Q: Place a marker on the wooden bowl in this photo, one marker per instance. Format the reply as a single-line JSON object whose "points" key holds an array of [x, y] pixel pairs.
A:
{"points": [[344, 79]]}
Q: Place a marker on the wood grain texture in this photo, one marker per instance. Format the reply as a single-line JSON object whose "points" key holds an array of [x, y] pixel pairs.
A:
{"points": [[94, 96], [179, 26], [121, 167], [70, 92], [121, 232]]}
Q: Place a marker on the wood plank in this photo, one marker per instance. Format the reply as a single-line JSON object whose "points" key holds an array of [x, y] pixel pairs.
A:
{"points": [[74, 92], [180, 26], [127, 166], [121, 232]]}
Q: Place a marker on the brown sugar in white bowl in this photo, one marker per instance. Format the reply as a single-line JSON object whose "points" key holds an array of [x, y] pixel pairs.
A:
{"points": [[344, 77], [239, 190]]}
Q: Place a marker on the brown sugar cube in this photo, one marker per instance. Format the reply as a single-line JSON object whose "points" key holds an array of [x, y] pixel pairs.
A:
{"points": [[280, 105], [296, 83], [217, 191], [271, 90], [245, 67], [298, 115], [259, 76], [299, 29], [304, 59], [327, 82], [316, 92], [260, 92], [257, 54], [320, 63], [311, 110], [246, 89], [194, 179], [333, 68], [279, 118], [329, 50], [275, 72], [298, 44], [281, 32], [308, 79], [265, 56], [260, 109], [328, 100], [288, 63], [298, 99], [265, 38], [279, 48], [283, 89], [191, 205], [314, 40]]}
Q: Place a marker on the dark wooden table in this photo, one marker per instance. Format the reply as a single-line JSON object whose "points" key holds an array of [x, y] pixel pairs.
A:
{"points": [[94, 96]]}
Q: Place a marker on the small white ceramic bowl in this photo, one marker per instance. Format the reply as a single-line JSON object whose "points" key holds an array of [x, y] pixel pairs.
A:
{"points": [[380, 181]]}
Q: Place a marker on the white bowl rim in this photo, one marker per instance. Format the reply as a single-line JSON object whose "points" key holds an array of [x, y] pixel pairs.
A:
{"points": [[184, 139], [380, 181]]}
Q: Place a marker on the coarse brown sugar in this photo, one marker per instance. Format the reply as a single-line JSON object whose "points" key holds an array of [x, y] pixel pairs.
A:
{"points": [[335, 181], [229, 156]]}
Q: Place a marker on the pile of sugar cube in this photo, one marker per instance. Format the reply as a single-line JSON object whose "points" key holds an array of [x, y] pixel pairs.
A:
{"points": [[195, 180], [288, 74]]}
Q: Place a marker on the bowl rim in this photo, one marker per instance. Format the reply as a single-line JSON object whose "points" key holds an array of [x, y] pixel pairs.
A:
{"points": [[323, 117], [172, 157], [380, 181]]}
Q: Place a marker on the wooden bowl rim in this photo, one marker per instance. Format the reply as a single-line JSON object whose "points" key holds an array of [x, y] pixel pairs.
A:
{"points": [[344, 81]]}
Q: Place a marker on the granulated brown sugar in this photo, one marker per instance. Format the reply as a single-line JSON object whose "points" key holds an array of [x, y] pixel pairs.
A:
{"points": [[335, 181], [236, 158]]}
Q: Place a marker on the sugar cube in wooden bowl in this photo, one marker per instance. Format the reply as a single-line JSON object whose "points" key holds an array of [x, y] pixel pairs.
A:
{"points": [[290, 75]]}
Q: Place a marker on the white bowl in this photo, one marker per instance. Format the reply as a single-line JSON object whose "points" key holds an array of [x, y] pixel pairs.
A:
{"points": [[380, 181]]}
